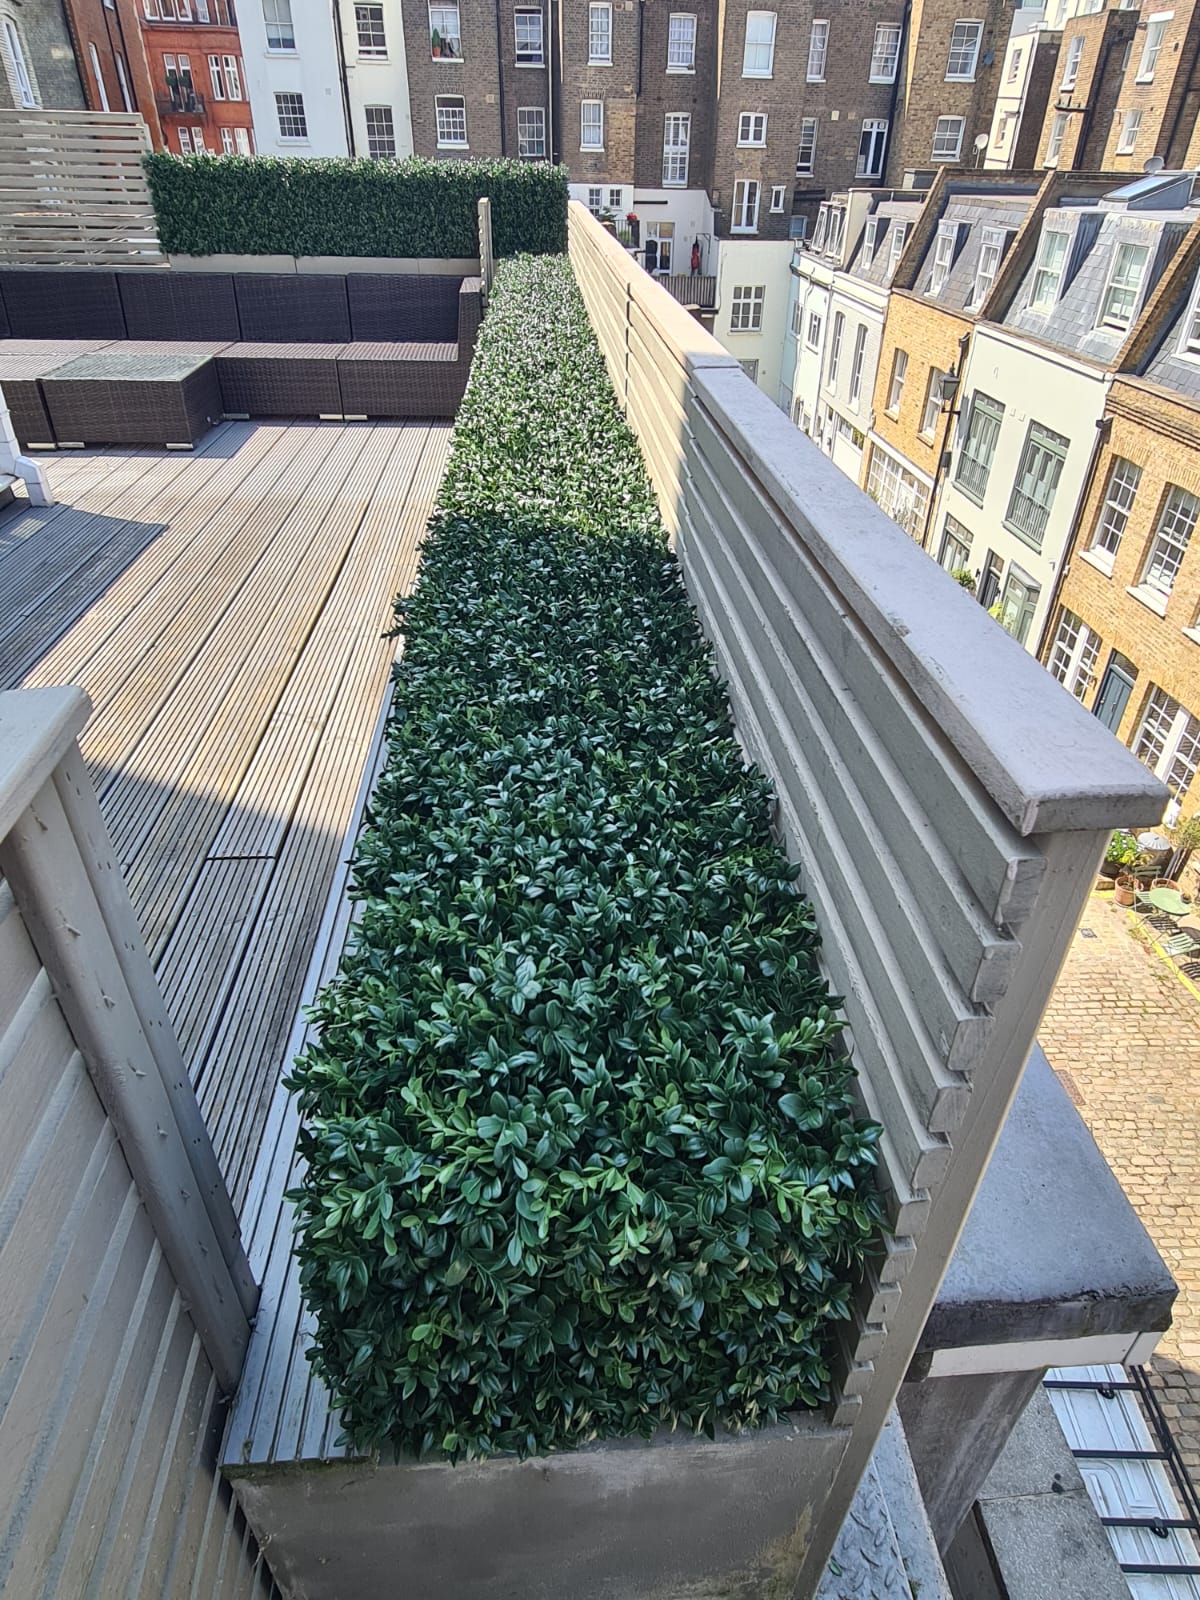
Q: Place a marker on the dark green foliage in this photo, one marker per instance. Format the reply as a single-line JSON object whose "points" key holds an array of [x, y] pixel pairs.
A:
{"points": [[582, 1152], [267, 205]]}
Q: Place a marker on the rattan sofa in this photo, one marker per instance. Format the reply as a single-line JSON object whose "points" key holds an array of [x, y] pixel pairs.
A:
{"points": [[357, 345]]}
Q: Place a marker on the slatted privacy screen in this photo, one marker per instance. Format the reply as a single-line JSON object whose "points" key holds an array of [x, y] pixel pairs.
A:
{"points": [[73, 192], [947, 802]]}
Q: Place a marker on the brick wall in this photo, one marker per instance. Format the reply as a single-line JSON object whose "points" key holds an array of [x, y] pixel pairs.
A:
{"points": [[1164, 103], [615, 86], [1160, 434], [929, 336], [197, 41], [927, 93], [475, 76], [664, 92], [42, 28]]}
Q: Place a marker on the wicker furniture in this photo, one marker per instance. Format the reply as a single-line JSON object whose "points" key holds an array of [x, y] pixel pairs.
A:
{"points": [[400, 310], [279, 307], [280, 380], [78, 304], [179, 305], [22, 363], [164, 395], [400, 380]]}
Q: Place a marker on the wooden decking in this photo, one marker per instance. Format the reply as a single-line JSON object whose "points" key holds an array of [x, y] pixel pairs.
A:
{"points": [[224, 610]]}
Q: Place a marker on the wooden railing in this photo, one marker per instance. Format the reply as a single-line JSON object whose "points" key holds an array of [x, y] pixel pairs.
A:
{"points": [[947, 800], [73, 191]]}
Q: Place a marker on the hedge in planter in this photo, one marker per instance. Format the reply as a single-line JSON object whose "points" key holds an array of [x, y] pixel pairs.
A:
{"points": [[266, 205], [582, 1153]]}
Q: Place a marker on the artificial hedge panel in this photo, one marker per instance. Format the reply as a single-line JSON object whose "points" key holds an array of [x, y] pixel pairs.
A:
{"points": [[267, 205], [582, 1156]]}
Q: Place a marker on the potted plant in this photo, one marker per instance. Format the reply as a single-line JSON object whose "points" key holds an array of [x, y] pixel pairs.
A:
{"points": [[635, 228], [435, 40], [1126, 889], [965, 577], [1120, 856]]}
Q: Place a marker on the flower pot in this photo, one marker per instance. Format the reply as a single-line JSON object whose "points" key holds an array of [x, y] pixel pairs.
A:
{"points": [[1165, 883], [1124, 892]]}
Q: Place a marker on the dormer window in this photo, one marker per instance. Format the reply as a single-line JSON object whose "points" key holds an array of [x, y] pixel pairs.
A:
{"points": [[1048, 273], [870, 235], [991, 254], [943, 255], [1189, 344], [1124, 283], [900, 232]]}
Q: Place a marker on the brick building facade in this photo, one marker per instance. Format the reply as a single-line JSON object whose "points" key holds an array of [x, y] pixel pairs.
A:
{"points": [[197, 76], [37, 51], [456, 86], [950, 77]]}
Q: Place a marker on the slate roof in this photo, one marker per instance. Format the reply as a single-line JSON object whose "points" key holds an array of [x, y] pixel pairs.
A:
{"points": [[1166, 365], [890, 213], [1095, 234], [974, 212]]}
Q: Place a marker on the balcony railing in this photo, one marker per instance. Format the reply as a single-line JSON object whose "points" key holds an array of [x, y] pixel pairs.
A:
{"points": [[971, 476], [181, 102], [692, 289], [1027, 517]]}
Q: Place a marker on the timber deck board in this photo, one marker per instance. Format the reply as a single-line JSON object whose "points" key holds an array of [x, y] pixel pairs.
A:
{"points": [[226, 612]]}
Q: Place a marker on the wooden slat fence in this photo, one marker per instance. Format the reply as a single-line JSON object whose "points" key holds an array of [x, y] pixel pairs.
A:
{"points": [[73, 191]]}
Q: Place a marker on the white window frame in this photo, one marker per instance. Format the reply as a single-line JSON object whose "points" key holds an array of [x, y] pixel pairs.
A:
{"points": [[227, 141], [294, 111], [778, 196], [932, 414], [899, 238], [944, 246], [758, 54], [241, 138], [447, 109], [818, 50], [885, 53], [123, 80], [1074, 653], [1156, 32], [677, 145], [875, 130], [600, 33], [529, 42], [965, 46], [835, 348], [23, 79], [992, 245], [1046, 285], [1168, 741], [947, 139], [215, 78], [812, 331], [595, 199], [99, 76], [808, 139], [233, 78], [897, 491], [751, 190], [375, 47], [1074, 57], [593, 123], [1129, 291], [454, 35], [531, 130], [869, 241], [1189, 337], [897, 381], [1120, 495], [1172, 536], [185, 142], [752, 130], [856, 364], [1014, 64], [380, 123], [681, 42], [1131, 126], [746, 308], [1054, 141], [278, 21], [198, 142]]}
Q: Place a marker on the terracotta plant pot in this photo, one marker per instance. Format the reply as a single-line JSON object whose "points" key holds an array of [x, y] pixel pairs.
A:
{"points": [[1123, 894], [1165, 883]]}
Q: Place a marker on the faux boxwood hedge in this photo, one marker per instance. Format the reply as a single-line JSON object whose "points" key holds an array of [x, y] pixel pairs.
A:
{"points": [[267, 205], [582, 1155]]}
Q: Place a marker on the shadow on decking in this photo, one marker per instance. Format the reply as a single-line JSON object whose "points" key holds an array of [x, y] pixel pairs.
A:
{"points": [[55, 563]]}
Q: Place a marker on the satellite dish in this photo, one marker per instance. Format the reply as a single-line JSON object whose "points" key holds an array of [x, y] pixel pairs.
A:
{"points": [[981, 140], [1155, 164]]}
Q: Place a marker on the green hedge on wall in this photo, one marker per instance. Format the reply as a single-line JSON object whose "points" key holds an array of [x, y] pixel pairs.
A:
{"points": [[582, 1157], [263, 205]]}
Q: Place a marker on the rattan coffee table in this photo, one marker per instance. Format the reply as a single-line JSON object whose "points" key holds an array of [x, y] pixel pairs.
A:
{"points": [[122, 396]]}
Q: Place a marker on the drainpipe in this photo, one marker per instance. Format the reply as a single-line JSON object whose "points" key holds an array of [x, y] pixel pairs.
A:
{"points": [[500, 80], [340, 46], [550, 80], [641, 40], [1089, 110], [1103, 429], [938, 471], [894, 98]]}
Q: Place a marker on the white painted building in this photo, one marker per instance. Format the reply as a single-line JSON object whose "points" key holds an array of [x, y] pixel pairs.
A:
{"points": [[753, 291], [1028, 414], [327, 80], [808, 323], [673, 218], [1031, 52]]}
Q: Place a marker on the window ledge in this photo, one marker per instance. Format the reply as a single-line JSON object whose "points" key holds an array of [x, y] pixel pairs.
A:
{"points": [[958, 77], [1149, 78], [1193, 634], [281, 51], [681, 72], [538, 66], [881, 80], [969, 494], [591, 149], [434, 61], [599, 63], [1098, 559], [442, 146], [1150, 598], [814, 80], [1025, 538]]}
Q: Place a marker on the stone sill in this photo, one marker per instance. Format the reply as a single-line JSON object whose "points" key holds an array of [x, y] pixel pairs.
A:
{"points": [[1150, 598], [1098, 560]]}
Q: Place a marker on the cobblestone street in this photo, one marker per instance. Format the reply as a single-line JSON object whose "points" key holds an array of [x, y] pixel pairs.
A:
{"points": [[1123, 1033]]}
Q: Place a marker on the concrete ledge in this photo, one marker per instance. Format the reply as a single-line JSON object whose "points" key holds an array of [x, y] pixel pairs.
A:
{"points": [[1052, 1248], [628, 1520], [407, 266]]}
